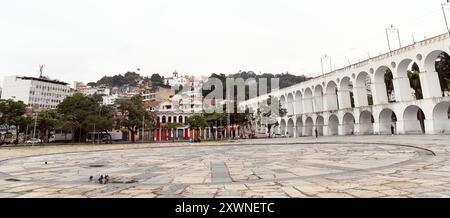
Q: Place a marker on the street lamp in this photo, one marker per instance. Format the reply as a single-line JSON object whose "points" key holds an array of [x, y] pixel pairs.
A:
{"points": [[34, 129], [143, 128], [445, 16], [321, 63], [93, 135], [99, 134], [390, 29]]}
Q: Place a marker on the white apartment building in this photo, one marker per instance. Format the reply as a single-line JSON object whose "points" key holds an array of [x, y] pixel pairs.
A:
{"points": [[90, 91], [110, 99], [176, 80], [80, 87], [41, 93], [103, 90]]}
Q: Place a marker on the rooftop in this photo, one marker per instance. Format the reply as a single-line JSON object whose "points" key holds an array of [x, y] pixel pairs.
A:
{"points": [[43, 79]]}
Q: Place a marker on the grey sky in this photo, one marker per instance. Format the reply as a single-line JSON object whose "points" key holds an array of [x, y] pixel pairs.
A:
{"points": [[84, 40]]}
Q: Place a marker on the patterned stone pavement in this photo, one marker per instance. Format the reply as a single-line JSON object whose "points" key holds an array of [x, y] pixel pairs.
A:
{"points": [[331, 167]]}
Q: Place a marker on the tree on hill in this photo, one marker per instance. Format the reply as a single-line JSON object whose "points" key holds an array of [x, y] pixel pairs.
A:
{"points": [[156, 78], [286, 80], [129, 78], [132, 78]]}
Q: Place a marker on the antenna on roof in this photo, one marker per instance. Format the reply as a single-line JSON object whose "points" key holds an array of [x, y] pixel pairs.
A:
{"points": [[41, 70]]}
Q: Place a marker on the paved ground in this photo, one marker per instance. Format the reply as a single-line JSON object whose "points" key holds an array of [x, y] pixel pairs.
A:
{"points": [[372, 166]]}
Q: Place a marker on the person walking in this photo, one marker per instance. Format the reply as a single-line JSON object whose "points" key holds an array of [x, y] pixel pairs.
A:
{"points": [[316, 131], [392, 130]]}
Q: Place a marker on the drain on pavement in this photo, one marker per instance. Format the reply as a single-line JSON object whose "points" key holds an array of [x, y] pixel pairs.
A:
{"points": [[96, 166]]}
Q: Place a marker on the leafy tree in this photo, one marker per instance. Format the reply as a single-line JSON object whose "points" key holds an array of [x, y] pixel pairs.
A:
{"points": [[12, 113], [156, 78], [98, 98], [25, 123], [443, 69], [129, 78], [269, 118], [65, 126], [414, 80], [197, 122], [170, 125], [103, 122], [388, 80], [215, 119], [237, 118], [47, 121], [131, 114], [74, 110], [132, 78], [92, 84]]}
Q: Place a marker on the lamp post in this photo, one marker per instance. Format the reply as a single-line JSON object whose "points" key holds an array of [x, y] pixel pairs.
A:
{"points": [[321, 63], [143, 128], [390, 29], [34, 129], [445, 15], [93, 135], [99, 115]]}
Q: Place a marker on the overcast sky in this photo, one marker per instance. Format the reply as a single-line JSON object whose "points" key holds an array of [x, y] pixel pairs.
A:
{"points": [[84, 40]]}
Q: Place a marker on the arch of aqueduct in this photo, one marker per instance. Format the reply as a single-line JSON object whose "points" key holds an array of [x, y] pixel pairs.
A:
{"points": [[325, 102]]}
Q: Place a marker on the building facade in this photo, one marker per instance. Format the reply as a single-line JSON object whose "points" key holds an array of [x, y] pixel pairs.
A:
{"points": [[110, 100], [39, 93], [339, 102]]}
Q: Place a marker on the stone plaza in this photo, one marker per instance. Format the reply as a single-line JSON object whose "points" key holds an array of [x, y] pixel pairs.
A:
{"points": [[328, 167]]}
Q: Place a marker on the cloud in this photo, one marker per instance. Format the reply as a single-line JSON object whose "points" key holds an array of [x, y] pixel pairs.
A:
{"points": [[84, 40]]}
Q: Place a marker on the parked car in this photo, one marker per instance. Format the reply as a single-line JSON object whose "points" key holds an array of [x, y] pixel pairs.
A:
{"points": [[280, 136], [34, 141], [60, 138]]}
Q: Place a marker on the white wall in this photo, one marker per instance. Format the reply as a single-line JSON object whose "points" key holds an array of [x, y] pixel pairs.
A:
{"points": [[16, 89]]}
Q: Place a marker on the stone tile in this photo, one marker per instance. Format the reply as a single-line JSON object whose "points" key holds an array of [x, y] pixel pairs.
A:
{"points": [[293, 193], [268, 170]]}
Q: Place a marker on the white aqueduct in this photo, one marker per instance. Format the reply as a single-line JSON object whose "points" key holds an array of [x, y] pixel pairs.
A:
{"points": [[338, 103]]}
